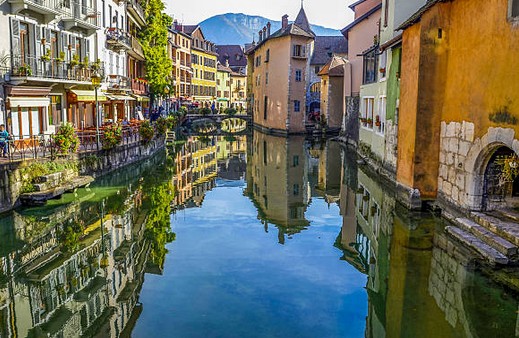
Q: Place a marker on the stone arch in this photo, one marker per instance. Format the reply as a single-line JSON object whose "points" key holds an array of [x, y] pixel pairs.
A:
{"points": [[478, 159]]}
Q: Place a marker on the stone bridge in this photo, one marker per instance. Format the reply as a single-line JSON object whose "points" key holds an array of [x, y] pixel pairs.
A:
{"points": [[217, 119]]}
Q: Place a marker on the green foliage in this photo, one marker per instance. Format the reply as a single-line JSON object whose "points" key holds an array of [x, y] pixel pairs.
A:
{"points": [[503, 115], [230, 111], [182, 111], [69, 236], [163, 124], [112, 136], [154, 40], [205, 111], [509, 166], [146, 131], [66, 139], [35, 170]]}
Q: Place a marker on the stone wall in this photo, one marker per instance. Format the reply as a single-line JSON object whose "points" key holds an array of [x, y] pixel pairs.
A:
{"points": [[391, 151], [93, 163], [350, 128]]}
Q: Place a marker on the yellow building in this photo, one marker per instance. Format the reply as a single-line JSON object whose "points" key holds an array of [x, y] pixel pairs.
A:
{"points": [[277, 74], [239, 91], [203, 62], [223, 88]]}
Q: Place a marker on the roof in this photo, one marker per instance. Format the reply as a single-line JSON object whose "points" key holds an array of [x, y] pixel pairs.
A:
{"points": [[189, 29], [361, 18], [300, 27], [418, 15], [355, 4], [302, 21], [326, 46], [222, 68], [334, 67], [232, 53]]}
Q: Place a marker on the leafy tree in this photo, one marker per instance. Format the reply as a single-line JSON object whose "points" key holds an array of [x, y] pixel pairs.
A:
{"points": [[154, 40]]}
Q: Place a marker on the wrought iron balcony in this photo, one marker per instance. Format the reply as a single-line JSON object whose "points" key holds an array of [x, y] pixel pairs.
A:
{"points": [[136, 11], [49, 9], [29, 67], [139, 86], [79, 16], [118, 82], [117, 39]]}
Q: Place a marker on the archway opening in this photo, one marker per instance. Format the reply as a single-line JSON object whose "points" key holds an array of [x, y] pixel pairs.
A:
{"points": [[498, 190]]}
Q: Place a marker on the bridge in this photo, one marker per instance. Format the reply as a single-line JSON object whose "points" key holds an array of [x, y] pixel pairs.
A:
{"points": [[215, 124], [217, 119]]}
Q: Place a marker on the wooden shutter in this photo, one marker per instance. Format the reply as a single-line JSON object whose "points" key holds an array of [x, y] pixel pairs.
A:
{"points": [[15, 43]]}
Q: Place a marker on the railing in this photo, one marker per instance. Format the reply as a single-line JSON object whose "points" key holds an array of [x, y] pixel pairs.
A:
{"points": [[139, 87], [133, 4], [32, 66], [50, 6], [118, 82], [118, 38], [43, 146], [76, 11], [136, 46]]}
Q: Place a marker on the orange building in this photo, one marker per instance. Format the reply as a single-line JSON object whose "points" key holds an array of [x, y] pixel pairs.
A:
{"points": [[277, 75], [459, 102]]}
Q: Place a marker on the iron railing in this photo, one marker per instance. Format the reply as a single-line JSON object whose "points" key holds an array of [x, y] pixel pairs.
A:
{"points": [[32, 66], [76, 11], [118, 38], [118, 82], [43, 146], [134, 4]]}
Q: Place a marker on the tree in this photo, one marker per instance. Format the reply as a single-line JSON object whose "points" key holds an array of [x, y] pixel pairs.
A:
{"points": [[154, 40]]}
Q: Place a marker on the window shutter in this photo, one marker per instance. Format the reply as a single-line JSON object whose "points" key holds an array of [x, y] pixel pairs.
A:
{"points": [[37, 41], [15, 39]]}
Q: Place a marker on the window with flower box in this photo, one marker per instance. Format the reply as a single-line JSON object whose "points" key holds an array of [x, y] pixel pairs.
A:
{"points": [[380, 119], [366, 113]]}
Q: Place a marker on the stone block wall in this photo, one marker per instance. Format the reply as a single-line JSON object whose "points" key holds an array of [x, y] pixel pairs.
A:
{"points": [[391, 151], [456, 140], [350, 128]]}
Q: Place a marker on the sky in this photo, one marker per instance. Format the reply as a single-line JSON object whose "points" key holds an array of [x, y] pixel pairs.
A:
{"points": [[327, 13]]}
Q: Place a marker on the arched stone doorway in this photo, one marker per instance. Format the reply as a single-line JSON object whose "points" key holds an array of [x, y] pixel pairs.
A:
{"points": [[498, 193]]}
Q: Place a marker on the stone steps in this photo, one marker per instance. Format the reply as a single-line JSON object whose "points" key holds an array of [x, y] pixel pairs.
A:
{"points": [[495, 241], [502, 225], [469, 240]]}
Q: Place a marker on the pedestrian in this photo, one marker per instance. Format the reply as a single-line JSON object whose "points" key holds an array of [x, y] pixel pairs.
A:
{"points": [[4, 138]]}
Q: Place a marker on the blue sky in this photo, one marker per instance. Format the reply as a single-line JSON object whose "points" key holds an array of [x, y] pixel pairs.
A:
{"points": [[328, 13]]}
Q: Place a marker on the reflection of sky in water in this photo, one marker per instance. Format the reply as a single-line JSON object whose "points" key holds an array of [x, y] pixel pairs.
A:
{"points": [[226, 277]]}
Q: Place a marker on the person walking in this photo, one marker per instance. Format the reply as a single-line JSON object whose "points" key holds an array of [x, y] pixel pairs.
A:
{"points": [[4, 138]]}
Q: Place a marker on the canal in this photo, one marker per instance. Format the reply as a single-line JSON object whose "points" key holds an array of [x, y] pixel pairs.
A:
{"points": [[243, 236]]}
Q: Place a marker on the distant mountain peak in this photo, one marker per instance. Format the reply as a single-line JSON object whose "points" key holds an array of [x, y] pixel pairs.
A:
{"points": [[239, 28]]}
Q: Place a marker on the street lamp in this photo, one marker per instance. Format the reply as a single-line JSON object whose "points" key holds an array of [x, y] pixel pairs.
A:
{"points": [[166, 91], [96, 82]]}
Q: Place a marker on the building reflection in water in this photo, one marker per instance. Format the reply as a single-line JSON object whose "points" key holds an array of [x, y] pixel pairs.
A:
{"points": [[420, 283], [75, 268]]}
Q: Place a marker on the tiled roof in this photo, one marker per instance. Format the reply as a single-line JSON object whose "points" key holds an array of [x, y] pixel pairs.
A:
{"points": [[302, 21], [418, 15], [189, 29], [222, 68], [334, 67], [291, 29], [326, 46], [233, 53], [361, 18]]}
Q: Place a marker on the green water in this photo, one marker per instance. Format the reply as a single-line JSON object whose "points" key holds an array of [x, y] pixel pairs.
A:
{"points": [[254, 236]]}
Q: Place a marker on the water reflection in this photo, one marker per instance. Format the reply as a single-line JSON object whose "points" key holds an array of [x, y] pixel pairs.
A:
{"points": [[278, 237]]}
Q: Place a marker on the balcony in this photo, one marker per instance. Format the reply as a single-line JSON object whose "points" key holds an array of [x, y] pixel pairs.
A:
{"points": [[136, 49], [135, 9], [79, 16], [118, 82], [118, 40], [31, 68], [47, 8], [139, 86]]}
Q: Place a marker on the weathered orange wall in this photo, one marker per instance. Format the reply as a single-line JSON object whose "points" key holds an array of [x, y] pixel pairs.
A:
{"points": [[467, 74]]}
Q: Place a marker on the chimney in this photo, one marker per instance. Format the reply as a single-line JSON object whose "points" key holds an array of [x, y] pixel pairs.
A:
{"points": [[284, 21], [265, 33], [268, 29], [260, 36]]}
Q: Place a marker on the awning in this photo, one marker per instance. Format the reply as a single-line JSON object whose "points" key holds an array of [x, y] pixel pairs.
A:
{"points": [[119, 97], [88, 95], [141, 98], [222, 99], [28, 101]]}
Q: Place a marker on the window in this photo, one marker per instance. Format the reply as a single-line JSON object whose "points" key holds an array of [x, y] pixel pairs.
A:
{"points": [[366, 117], [383, 63], [267, 56], [317, 69], [296, 189], [299, 51], [297, 106], [514, 8], [265, 107], [266, 78], [370, 66], [298, 75], [104, 12], [295, 161], [380, 119], [217, 82]]}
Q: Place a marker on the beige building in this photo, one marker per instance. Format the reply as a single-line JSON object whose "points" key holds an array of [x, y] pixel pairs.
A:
{"points": [[180, 53], [332, 92], [277, 73], [239, 91]]}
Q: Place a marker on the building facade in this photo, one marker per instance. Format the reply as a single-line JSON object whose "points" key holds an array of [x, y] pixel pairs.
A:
{"points": [[278, 73], [180, 53], [223, 88]]}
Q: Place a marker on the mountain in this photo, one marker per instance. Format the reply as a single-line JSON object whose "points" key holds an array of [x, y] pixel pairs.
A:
{"points": [[232, 28]]}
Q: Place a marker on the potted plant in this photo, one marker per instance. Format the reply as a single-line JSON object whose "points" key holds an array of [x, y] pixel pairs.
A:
{"points": [[363, 119], [112, 136], [25, 70], [382, 70], [45, 57], [85, 62], [377, 121], [75, 60], [61, 57], [369, 121]]}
